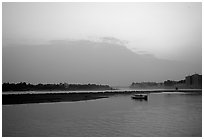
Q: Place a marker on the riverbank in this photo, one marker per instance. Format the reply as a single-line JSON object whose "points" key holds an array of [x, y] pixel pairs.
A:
{"points": [[47, 98], [8, 99]]}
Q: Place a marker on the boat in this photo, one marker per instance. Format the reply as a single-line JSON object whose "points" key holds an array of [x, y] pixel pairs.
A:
{"points": [[140, 96]]}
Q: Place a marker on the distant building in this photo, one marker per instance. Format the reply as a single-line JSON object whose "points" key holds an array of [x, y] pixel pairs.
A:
{"points": [[194, 81]]}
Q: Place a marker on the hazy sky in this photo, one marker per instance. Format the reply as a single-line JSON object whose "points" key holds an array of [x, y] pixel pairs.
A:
{"points": [[171, 31]]}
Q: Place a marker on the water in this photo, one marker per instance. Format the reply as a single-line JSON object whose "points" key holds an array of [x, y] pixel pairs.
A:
{"points": [[163, 115]]}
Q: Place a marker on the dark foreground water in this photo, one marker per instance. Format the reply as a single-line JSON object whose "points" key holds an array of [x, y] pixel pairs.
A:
{"points": [[163, 115]]}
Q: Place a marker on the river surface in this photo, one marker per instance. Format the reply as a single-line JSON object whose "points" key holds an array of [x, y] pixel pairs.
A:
{"points": [[163, 115]]}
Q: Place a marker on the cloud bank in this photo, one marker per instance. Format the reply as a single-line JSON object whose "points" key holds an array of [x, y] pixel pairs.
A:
{"points": [[85, 61]]}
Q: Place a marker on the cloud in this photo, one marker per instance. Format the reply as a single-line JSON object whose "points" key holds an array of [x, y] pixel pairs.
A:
{"points": [[85, 61], [110, 40], [114, 40]]}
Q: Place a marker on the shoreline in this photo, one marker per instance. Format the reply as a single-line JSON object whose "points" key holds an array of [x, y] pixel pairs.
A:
{"points": [[10, 99]]}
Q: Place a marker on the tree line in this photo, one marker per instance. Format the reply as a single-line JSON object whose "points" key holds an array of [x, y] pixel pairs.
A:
{"points": [[166, 83], [23, 86]]}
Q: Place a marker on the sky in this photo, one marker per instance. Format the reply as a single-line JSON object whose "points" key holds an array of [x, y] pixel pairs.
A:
{"points": [[170, 32]]}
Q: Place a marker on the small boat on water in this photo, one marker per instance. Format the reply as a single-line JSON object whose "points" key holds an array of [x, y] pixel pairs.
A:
{"points": [[140, 96]]}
